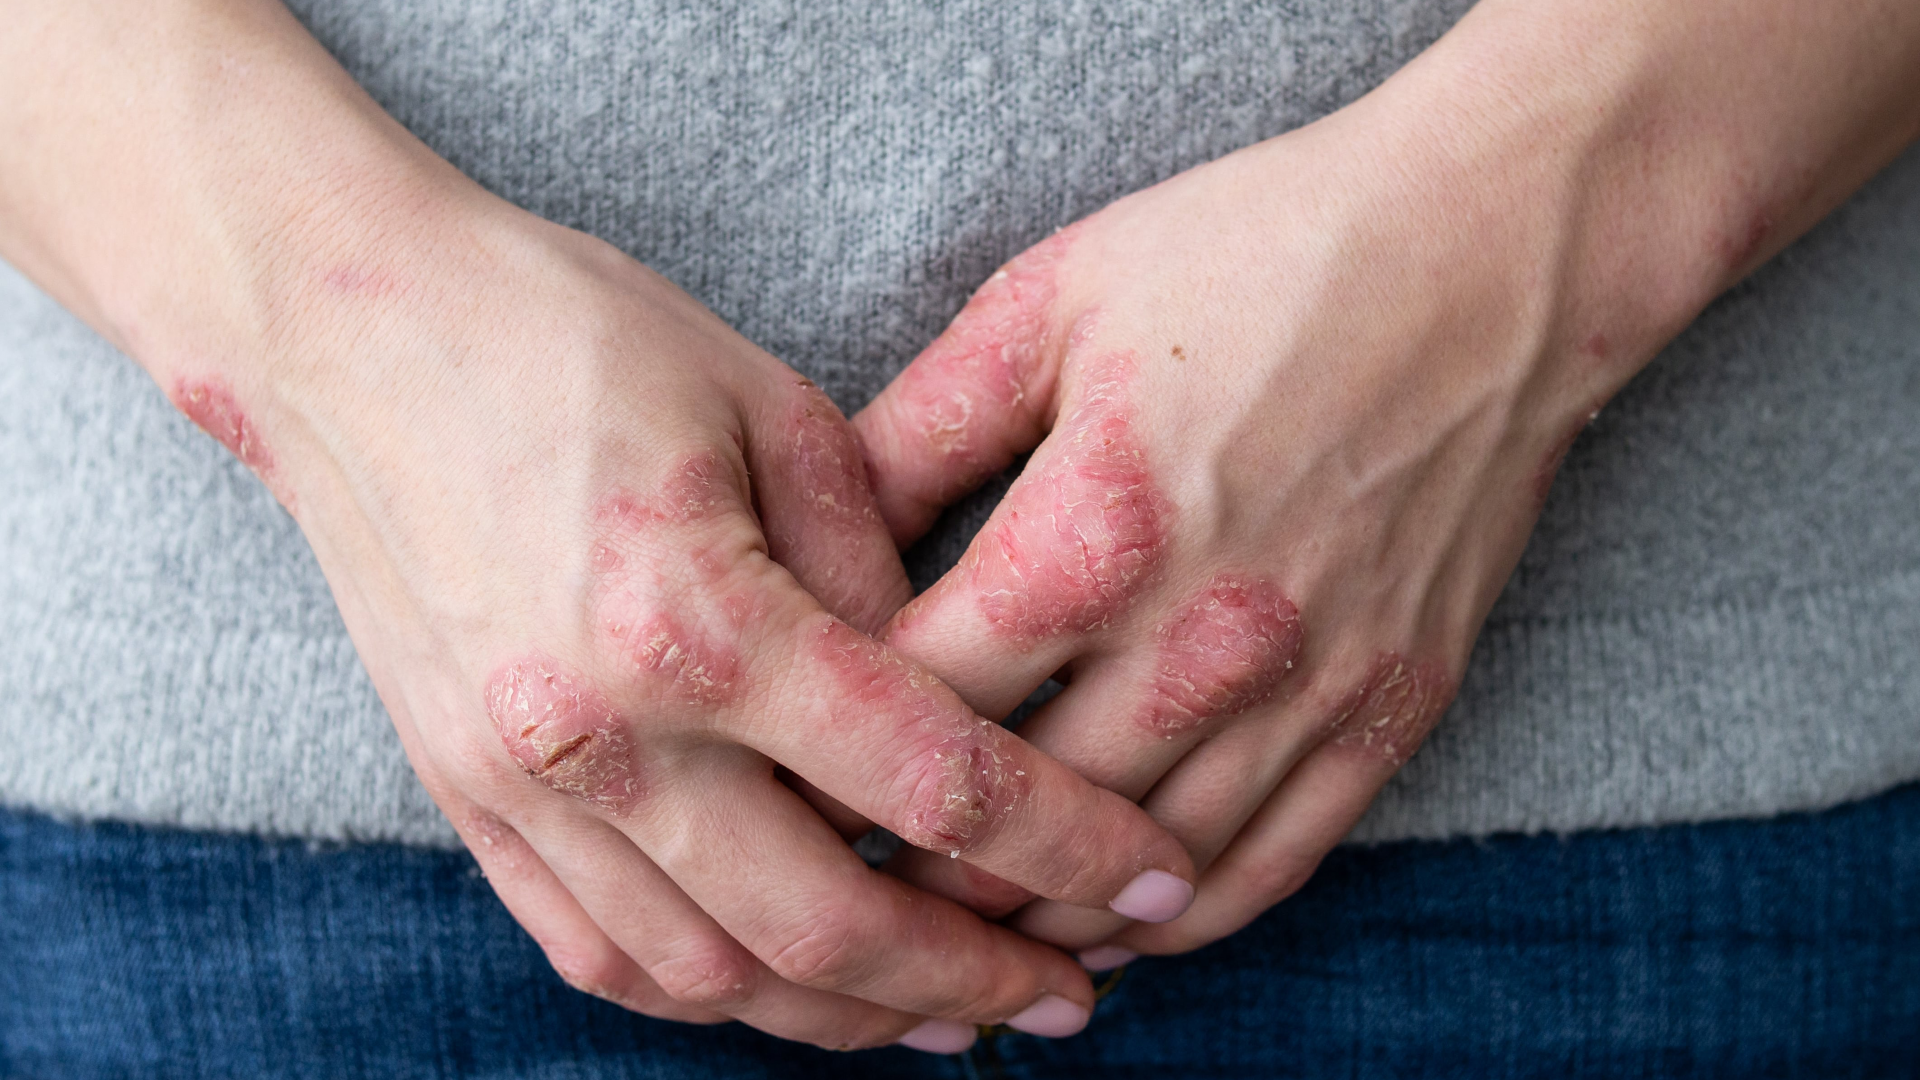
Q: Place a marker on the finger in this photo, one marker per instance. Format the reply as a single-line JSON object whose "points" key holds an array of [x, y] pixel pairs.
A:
{"points": [[822, 525], [979, 396], [1203, 801], [795, 895], [1202, 804], [1275, 853], [687, 954], [583, 955], [821, 522], [884, 737], [1064, 556], [1368, 734], [965, 884], [850, 825], [1124, 721]]}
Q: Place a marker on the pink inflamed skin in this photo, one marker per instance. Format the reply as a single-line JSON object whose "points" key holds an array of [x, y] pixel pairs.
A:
{"points": [[1283, 461], [615, 573]]}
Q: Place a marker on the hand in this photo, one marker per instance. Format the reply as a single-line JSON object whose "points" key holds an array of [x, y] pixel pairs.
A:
{"points": [[1282, 469], [582, 535], [1296, 410], [589, 542]]}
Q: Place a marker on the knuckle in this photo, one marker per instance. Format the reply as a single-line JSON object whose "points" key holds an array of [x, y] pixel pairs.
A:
{"points": [[563, 733], [830, 950], [711, 973], [960, 791], [1224, 651], [596, 971], [1079, 539], [1279, 877], [1390, 713]]}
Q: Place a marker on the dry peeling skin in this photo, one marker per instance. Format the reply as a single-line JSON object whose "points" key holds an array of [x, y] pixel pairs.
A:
{"points": [[684, 665], [833, 475], [1395, 708], [645, 612], [698, 488], [972, 382], [960, 781], [210, 404], [1075, 541], [564, 734], [1223, 653]]}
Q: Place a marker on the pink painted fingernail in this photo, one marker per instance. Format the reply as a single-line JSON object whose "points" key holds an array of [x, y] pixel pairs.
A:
{"points": [[1107, 957], [940, 1037], [1052, 1016], [1155, 896]]}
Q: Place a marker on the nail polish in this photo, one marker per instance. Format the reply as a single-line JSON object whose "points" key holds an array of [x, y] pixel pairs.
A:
{"points": [[1052, 1016], [940, 1037], [1155, 896]]}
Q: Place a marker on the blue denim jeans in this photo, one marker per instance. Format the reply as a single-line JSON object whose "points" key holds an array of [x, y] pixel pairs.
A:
{"points": [[1745, 949]]}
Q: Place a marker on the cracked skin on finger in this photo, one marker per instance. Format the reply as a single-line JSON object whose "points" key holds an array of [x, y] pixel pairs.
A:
{"points": [[1076, 541]]}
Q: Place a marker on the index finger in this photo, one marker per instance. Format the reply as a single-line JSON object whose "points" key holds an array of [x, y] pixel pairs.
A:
{"points": [[880, 733]]}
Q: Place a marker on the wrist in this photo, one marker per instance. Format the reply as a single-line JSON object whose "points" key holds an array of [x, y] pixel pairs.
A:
{"points": [[188, 175], [1651, 154]]}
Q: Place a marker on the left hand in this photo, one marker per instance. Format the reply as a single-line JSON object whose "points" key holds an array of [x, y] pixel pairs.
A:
{"points": [[1295, 414]]}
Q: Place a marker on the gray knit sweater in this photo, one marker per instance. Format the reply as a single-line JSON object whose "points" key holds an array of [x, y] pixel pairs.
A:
{"points": [[1719, 615]]}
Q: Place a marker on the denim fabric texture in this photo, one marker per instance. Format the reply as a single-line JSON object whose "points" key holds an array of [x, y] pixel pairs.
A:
{"points": [[1783, 948]]}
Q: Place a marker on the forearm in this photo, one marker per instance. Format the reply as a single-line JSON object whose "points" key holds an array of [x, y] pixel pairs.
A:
{"points": [[1651, 154], [188, 175]]}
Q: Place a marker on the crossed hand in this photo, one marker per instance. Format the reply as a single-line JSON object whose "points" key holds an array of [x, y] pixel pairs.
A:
{"points": [[630, 587]]}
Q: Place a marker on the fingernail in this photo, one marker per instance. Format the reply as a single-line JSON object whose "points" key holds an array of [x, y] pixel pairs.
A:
{"points": [[1052, 1016], [1154, 896], [1107, 957], [940, 1037]]}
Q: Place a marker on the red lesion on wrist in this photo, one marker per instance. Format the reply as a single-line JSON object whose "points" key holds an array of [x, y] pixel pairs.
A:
{"points": [[1076, 540], [210, 404], [1225, 651], [564, 734], [1394, 708]]}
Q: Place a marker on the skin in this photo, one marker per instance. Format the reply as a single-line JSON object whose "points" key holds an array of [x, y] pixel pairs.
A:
{"points": [[611, 568], [1293, 413]]}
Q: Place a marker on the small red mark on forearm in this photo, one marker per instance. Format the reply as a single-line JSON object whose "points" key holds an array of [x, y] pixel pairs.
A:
{"points": [[1739, 249], [360, 281], [564, 734], [1077, 539], [1392, 711], [1222, 653]]}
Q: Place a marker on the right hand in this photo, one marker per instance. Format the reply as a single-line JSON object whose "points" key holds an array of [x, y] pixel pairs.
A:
{"points": [[610, 566]]}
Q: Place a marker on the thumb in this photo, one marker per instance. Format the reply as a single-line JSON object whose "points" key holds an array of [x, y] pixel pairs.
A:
{"points": [[979, 396]]}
